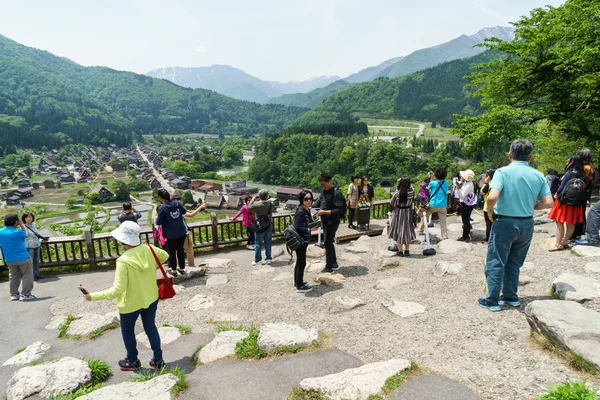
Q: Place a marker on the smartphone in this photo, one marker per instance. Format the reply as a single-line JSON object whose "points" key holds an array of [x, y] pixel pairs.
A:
{"points": [[83, 290]]}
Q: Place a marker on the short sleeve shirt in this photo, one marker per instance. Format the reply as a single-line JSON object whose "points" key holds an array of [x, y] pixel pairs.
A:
{"points": [[13, 245], [438, 198], [520, 185]]}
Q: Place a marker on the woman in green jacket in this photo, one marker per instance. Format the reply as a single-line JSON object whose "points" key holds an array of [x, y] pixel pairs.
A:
{"points": [[136, 292]]}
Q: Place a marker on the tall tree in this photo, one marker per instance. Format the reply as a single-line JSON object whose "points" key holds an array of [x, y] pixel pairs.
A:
{"points": [[550, 71]]}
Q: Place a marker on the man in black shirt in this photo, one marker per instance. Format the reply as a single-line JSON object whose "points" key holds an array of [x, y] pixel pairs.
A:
{"points": [[331, 210], [129, 214]]}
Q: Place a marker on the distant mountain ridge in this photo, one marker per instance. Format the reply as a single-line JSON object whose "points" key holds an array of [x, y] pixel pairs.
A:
{"points": [[236, 83], [312, 98]]}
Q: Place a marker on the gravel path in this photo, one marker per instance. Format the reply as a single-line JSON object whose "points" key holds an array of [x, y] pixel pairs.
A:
{"points": [[489, 352]]}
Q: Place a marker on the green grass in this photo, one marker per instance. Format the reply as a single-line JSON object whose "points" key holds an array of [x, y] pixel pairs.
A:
{"points": [[100, 370], [62, 328], [183, 329], [573, 359], [393, 382], [194, 357], [569, 391], [179, 387], [227, 326], [22, 349], [301, 394], [97, 332], [248, 347]]}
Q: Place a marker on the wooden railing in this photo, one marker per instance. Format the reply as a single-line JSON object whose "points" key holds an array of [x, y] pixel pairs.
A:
{"points": [[96, 248]]}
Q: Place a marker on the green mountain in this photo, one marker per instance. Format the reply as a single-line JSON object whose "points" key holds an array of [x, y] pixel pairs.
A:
{"points": [[47, 100], [433, 94], [460, 47], [312, 98], [370, 73]]}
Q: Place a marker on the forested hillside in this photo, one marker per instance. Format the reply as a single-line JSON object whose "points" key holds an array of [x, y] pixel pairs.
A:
{"points": [[433, 94], [47, 100], [312, 98]]}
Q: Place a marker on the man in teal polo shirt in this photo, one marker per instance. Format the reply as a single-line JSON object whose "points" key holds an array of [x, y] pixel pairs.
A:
{"points": [[514, 193], [17, 258]]}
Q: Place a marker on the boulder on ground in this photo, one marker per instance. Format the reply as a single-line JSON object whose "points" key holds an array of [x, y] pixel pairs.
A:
{"points": [[388, 263], [442, 268], [33, 352], [450, 246], [278, 251], [344, 303], [315, 252], [569, 325], [283, 335], [199, 302], [55, 322], [356, 383], [85, 324], [216, 280], [223, 345], [158, 388], [587, 251], [576, 288], [168, 334], [220, 264], [359, 246], [329, 279], [403, 309], [190, 273], [61, 376]]}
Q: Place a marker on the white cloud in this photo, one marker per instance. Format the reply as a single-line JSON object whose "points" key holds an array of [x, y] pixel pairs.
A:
{"points": [[201, 48]]}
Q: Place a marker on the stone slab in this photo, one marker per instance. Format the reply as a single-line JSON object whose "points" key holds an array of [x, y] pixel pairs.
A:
{"points": [[220, 264], [392, 282], [576, 288], [85, 324], [432, 387], [279, 334], [344, 303], [450, 246], [190, 273], [199, 302], [216, 280], [329, 279], [33, 352], [587, 251], [222, 346], [168, 334], [404, 309], [442, 268], [154, 389]]}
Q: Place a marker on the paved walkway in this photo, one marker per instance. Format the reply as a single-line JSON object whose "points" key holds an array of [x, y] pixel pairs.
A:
{"points": [[24, 322]]}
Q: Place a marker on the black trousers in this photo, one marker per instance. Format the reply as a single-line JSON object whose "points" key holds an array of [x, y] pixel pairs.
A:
{"points": [[351, 212], [300, 265], [329, 230], [465, 216], [176, 252], [488, 226], [250, 236], [580, 227]]}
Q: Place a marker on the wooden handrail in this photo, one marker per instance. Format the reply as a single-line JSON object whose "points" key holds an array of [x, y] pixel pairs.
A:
{"points": [[92, 248]]}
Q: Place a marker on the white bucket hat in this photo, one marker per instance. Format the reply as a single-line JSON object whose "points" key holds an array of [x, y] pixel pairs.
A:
{"points": [[467, 175], [128, 233]]}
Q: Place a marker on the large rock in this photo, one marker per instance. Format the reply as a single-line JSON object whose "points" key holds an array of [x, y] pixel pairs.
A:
{"points": [[190, 273], [220, 264], [450, 246], [279, 335], [345, 303], [87, 323], [216, 280], [329, 279], [223, 345], [277, 252], [62, 376], [315, 252], [587, 251], [356, 383], [569, 325], [199, 302], [576, 287], [593, 267], [388, 263], [360, 246], [168, 334], [442, 268], [390, 283], [33, 352], [315, 266], [403, 309], [158, 388], [55, 322]]}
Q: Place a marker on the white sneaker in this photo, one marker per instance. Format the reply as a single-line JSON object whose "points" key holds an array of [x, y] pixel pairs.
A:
{"points": [[269, 262], [255, 262], [250, 247], [14, 297], [27, 298]]}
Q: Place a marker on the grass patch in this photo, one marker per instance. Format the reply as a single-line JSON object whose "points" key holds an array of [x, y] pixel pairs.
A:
{"points": [[228, 326], [301, 394], [22, 349], [573, 359], [38, 362], [82, 391], [393, 382], [180, 386], [62, 328], [183, 329], [569, 391], [100, 370], [248, 347], [194, 357], [97, 332]]}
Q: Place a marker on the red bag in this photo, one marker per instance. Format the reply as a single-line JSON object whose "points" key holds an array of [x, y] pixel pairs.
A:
{"points": [[165, 284]]}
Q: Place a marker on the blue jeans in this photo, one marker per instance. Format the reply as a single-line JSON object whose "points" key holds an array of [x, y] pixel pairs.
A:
{"points": [[592, 226], [507, 249], [267, 236], [35, 260], [128, 331]]}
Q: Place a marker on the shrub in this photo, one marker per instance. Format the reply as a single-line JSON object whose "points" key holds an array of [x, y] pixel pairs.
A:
{"points": [[248, 347], [62, 328], [100, 370], [569, 391]]}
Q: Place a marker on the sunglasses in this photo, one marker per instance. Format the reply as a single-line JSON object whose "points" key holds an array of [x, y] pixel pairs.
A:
{"points": [[307, 199]]}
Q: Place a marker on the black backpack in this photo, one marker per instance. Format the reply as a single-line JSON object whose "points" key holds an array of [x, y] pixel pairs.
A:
{"points": [[573, 193], [293, 240], [554, 185]]}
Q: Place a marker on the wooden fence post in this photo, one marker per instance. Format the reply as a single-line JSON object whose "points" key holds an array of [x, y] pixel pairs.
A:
{"points": [[88, 235], [215, 235]]}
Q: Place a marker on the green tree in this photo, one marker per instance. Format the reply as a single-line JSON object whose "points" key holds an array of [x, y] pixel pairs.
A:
{"points": [[549, 71], [120, 189], [187, 197], [70, 202]]}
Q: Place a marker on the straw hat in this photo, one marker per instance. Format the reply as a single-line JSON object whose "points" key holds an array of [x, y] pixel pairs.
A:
{"points": [[467, 175], [128, 233]]}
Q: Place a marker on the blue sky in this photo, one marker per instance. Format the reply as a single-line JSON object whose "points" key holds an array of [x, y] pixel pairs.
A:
{"points": [[271, 39]]}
